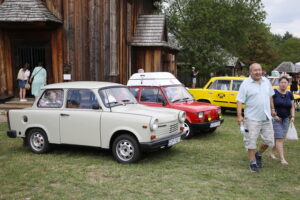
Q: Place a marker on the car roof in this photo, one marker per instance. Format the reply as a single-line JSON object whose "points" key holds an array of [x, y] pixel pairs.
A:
{"points": [[81, 84], [153, 79], [230, 77]]}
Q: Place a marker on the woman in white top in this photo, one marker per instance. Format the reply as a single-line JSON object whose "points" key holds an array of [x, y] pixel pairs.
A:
{"points": [[23, 77]]}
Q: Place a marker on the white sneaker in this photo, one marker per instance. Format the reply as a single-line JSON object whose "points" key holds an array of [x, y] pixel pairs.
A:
{"points": [[24, 99]]}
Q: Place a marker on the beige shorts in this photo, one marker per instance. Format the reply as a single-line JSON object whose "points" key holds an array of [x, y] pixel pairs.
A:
{"points": [[256, 128]]}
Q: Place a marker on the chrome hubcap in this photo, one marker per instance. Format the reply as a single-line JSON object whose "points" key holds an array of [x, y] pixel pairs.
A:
{"points": [[125, 150], [37, 141], [186, 129]]}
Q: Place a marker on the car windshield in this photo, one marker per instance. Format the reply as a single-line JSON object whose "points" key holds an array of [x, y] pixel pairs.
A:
{"points": [[116, 96], [177, 93]]}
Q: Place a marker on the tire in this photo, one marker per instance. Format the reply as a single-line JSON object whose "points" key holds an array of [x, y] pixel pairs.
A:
{"points": [[126, 149], [37, 141], [223, 110], [188, 129]]}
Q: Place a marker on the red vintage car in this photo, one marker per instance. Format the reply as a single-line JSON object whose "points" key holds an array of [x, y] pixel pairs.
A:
{"points": [[162, 89]]}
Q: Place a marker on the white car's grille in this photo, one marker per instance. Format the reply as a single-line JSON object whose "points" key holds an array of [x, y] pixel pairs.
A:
{"points": [[167, 129], [173, 128]]}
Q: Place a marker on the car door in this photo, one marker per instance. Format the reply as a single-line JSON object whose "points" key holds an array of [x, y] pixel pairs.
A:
{"points": [[152, 96], [235, 86], [79, 122], [220, 92]]}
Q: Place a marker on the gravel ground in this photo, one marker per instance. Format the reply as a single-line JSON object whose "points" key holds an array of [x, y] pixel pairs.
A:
{"points": [[3, 116]]}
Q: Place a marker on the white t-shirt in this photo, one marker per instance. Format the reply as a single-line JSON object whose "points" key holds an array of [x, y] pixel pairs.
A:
{"points": [[26, 75]]}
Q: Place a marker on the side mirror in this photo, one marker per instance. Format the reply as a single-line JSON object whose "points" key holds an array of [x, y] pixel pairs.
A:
{"points": [[96, 106], [164, 103]]}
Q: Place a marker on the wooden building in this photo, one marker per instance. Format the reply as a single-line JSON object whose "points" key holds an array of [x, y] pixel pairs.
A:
{"points": [[101, 40]]}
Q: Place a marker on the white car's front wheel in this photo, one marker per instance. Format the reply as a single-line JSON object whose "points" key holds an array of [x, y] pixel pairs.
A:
{"points": [[125, 149], [37, 141]]}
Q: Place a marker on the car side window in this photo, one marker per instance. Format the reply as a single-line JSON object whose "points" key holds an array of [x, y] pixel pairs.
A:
{"points": [[152, 95], [81, 99], [220, 85], [51, 99], [135, 92], [236, 85]]}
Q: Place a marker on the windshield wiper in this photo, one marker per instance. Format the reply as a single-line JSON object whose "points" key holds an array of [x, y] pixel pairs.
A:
{"points": [[127, 101], [114, 103], [183, 99]]}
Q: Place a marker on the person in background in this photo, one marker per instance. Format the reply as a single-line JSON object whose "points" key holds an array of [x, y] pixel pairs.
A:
{"points": [[294, 85], [38, 79], [284, 112], [256, 93], [23, 76], [194, 77], [141, 70]]}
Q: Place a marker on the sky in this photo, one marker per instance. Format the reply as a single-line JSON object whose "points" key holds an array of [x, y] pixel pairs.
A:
{"points": [[283, 15]]}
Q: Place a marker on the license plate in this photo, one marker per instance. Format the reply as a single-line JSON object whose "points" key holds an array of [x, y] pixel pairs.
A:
{"points": [[215, 124], [173, 141]]}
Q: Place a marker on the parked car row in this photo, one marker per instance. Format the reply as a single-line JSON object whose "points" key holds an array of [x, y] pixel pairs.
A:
{"points": [[109, 116]]}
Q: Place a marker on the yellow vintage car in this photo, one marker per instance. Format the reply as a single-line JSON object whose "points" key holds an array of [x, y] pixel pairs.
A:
{"points": [[222, 91]]}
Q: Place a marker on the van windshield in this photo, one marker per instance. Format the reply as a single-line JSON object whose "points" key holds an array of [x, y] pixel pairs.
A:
{"points": [[177, 94]]}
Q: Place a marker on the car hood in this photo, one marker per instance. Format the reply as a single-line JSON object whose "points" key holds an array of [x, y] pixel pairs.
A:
{"points": [[162, 114], [193, 106]]}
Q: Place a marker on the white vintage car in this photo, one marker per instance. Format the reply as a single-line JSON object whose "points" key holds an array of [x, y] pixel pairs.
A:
{"points": [[98, 114]]}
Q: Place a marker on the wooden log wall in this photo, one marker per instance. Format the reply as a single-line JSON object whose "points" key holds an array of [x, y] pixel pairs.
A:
{"points": [[6, 84], [93, 41]]}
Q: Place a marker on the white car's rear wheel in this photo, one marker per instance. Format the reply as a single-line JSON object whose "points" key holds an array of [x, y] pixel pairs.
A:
{"points": [[125, 149], [38, 141]]}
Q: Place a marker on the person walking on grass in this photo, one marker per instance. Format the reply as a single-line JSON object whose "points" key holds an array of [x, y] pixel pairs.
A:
{"points": [[256, 93], [284, 112]]}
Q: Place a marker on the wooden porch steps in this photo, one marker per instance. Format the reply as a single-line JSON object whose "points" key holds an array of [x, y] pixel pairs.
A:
{"points": [[15, 103]]}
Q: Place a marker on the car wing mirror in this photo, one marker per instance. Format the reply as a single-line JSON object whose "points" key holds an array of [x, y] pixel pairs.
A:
{"points": [[96, 107], [164, 103]]}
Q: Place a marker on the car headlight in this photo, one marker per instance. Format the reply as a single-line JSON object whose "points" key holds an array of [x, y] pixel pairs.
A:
{"points": [[181, 116], [200, 115], [153, 124], [219, 111]]}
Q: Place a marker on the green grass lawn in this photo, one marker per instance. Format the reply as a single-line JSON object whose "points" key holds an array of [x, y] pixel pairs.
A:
{"points": [[212, 166]]}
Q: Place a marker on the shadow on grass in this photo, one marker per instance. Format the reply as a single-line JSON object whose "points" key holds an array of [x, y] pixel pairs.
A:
{"points": [[76, 150]]}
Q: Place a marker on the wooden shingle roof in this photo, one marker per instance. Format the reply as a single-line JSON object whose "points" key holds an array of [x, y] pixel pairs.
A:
{"points": [[26, 11], [151, 31]]}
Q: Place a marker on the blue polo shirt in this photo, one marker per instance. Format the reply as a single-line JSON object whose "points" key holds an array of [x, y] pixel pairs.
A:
{"points": [[283, 103], [256, 97]]}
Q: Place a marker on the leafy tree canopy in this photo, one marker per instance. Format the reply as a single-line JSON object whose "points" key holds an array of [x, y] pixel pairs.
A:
{"points": [[208, 29]]}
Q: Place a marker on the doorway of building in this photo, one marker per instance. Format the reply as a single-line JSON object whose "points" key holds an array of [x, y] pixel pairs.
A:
{"points": [[30, 52]]}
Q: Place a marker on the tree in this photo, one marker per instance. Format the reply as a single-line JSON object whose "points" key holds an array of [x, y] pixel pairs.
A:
{"points": [[259, 47], [208, 29], [289, 50]]}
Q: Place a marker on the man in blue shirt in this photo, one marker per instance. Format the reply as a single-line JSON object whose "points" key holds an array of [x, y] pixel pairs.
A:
{"points": [[256, 93]]}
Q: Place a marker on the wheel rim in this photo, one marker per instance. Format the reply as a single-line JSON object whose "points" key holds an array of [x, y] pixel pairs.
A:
{"points": [[125, 150], [186, 129], [37, 141]]}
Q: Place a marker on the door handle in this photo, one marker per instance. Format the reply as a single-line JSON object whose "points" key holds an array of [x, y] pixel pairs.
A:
{"points": [[210, 92], [232, 94], [64, 115]]}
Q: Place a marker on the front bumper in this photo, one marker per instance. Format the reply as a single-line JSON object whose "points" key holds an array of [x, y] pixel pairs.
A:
{"points": [[12, 133], [205, 125], [158, 144]]}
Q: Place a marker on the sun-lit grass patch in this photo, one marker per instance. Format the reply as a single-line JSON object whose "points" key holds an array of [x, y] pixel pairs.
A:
{"points": [[209, 166]]}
